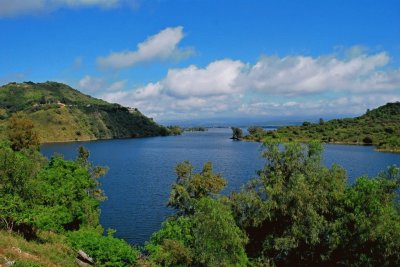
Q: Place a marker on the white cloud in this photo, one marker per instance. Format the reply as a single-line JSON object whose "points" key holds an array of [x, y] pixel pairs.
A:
{"points": [[162, 46], [218, 78], [9, 8], [273, 86], [300, 74]]}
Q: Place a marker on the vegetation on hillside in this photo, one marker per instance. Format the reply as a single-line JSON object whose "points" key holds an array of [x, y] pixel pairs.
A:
{"points": [[379, 127], [60, 113]]}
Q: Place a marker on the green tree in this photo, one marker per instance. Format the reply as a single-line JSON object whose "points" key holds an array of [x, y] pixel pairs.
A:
{"points": [[217, 240], [65, 196], [209, 237], [171, 245], [17, 170], [237, 133], [21, 133], [370, 222], [287, 210], [190, 187]]}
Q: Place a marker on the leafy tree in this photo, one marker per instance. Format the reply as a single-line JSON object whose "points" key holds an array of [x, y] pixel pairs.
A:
{"points": [[17, 170], [300, 213], [204, 232], [65, 196], [57, 195], [217, 240], [171, 245], [369, 223], [209, 237], [237, 133], [21, 133], [190, 187], [286, 211]]}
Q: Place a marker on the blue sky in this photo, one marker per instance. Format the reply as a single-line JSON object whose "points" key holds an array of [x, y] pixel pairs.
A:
{"points": [[182, 60]]}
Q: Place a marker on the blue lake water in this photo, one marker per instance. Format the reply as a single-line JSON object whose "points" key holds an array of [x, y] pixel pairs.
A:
{"points": [[141, 171]]}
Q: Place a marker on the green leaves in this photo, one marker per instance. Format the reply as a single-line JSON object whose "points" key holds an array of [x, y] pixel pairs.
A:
{"points": [[190, 187], [298, 212], [106, 250], [57, 195]]}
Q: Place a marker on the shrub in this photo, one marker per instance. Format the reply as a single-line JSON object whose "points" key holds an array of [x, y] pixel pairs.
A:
{"points": [[105, 250]]}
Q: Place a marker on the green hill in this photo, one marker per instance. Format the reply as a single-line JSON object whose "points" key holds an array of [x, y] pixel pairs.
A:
{"points": [[61, 113], [379, 127]]}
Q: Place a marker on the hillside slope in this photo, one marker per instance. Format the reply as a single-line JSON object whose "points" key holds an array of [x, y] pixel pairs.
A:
{"points": [[61, 113], [379, 127]]}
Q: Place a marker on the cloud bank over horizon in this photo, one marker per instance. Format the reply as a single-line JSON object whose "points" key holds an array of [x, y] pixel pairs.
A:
{"points": [[272, 86]]}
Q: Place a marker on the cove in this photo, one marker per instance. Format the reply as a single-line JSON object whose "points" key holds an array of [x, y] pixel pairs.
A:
{"points": [[141, 171]]}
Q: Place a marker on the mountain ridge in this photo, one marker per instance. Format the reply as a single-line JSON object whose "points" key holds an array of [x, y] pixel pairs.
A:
{"points": [[61, 113]]}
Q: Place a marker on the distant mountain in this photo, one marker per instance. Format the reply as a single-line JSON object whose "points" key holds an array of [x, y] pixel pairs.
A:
{"points": [[61, 113], [379, 127]]}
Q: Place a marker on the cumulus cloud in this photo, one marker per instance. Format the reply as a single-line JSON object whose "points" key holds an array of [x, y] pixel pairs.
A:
{"points": [[9, 8], [301, 74], [273, 86], [219, 77], [162, 46]]}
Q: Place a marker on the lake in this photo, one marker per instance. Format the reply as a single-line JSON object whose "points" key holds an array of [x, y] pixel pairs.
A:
{"points": [[141, 171]]}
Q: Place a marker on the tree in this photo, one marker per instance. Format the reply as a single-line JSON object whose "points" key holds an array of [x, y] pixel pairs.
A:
{"points": [[64, 197], [301, 213], [190, 187], [369, 223], [321, 121], [217, 240], [287, 210], [21, 133], [208, 237], [17, 171], [237, 133]]}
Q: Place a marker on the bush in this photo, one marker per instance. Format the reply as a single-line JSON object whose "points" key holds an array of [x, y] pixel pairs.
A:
{"points": [[105, 250]]}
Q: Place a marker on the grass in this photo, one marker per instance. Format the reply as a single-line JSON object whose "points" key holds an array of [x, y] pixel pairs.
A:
{"points": [[51, 251]]}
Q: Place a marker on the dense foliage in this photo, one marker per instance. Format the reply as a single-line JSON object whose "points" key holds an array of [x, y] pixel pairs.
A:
{"points": [[298, 212], [61, 113], [379, 127], [295, 212], [56, 196], [107, 250], [204, 232]]}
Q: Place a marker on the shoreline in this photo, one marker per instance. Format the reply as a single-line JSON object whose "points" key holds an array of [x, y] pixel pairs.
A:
{"points": [[384, 150]]}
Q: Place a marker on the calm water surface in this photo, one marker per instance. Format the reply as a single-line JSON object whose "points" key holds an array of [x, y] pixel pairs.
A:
{"points": [[141, 171]]}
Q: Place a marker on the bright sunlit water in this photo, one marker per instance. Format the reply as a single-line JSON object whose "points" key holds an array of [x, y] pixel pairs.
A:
{"points": [[141, 171]]}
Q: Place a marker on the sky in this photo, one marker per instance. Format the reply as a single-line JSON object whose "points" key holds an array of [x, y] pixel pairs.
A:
{"points": [[181, 60]]}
